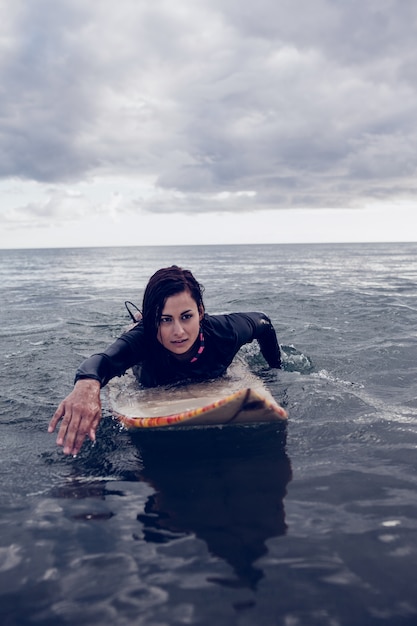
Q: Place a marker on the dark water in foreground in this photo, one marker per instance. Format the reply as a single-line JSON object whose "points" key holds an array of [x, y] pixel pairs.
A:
{"points": [[311, 525]]}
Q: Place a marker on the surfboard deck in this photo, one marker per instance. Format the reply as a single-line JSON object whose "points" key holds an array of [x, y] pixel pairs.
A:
{"points": [[234, 399]]}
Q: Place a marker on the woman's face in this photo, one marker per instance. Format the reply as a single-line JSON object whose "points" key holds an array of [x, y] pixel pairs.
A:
{"points": [[179, 324]]}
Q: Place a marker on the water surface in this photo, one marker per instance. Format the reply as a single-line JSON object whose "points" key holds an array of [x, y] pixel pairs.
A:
{"points": [[310, 524]]}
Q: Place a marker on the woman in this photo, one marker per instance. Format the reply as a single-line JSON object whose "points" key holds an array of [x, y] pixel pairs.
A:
{"points": [[175, 340]]}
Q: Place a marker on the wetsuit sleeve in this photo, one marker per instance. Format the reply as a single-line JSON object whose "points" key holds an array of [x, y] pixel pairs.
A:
{"points": [[250, 326], [115, 360]]}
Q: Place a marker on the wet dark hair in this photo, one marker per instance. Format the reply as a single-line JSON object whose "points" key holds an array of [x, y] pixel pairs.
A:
{"points": [[167, 282]]}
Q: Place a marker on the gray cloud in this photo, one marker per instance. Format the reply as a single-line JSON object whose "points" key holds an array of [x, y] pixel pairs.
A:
{"points": [[308, 103], [42, 108]]}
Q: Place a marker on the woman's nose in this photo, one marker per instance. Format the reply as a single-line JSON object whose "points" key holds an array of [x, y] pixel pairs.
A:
{"points": [[178, 329]]}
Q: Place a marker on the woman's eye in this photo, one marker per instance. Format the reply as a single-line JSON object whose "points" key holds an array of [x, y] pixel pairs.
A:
{"points": [[167, 320]]}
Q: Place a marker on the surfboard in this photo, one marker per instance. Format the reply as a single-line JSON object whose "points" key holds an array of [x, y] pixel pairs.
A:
{"points": [[239, 398]]}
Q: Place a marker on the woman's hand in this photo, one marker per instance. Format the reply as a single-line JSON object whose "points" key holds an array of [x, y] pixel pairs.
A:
{"points": [[80, 413]]}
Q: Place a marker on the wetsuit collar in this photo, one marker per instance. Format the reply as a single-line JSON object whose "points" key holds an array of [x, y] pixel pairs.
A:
{"points": [[192, 352]]}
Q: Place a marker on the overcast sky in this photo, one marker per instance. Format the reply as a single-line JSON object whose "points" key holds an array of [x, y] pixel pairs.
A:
{"points": [[207, 121]]}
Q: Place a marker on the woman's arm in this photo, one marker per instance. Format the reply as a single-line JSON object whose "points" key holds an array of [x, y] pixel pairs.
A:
{"points": [[125, 352], [268, 342], [244, 328], [80, 412]]}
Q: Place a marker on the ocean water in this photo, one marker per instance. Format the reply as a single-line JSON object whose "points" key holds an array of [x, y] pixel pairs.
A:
{"points": [[313, 523]]}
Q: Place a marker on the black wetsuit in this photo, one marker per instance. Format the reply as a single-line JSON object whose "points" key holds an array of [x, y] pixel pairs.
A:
{"points": [[223, 337]]}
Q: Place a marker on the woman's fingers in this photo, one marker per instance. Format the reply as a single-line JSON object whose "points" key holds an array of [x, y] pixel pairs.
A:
{"points": [[80, 413]]}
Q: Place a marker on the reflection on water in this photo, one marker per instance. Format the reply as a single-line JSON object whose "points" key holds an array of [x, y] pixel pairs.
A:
{"points": [[225, 486]]}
